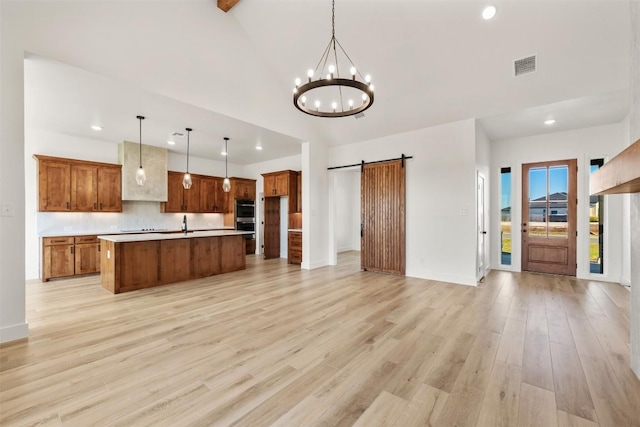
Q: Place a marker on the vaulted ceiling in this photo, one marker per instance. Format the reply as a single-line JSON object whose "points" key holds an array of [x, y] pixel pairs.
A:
{"points": [[432, 62]]}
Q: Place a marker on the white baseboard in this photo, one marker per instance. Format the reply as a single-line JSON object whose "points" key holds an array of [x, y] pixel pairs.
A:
{"points": [[458, 280], [312, 265], [14, 332]]}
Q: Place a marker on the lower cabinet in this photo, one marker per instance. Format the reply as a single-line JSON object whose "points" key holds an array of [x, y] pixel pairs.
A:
{"points": [[295, 247], [250, 246], [69, 256]]}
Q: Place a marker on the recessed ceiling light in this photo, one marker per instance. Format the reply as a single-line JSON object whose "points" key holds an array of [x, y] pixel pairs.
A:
{"points": [[224, 153], [96, 127], [489, 12], [259, 146], [171, 142], [549, 122]]}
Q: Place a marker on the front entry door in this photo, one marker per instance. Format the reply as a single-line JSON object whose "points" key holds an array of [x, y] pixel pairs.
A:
{"points": [[549, 217]]}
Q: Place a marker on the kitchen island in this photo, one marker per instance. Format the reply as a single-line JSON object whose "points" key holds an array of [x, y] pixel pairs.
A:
{"points": [[137, 261]]}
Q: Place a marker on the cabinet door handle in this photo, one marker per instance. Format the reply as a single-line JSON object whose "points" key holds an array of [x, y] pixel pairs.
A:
{"points": [[95, 206], [71, 247], [68, 207], [100, 206]]}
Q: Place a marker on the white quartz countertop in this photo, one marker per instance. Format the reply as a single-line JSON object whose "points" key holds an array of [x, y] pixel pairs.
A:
{"points": [[143, 237], [296, 230], [119, 232]]}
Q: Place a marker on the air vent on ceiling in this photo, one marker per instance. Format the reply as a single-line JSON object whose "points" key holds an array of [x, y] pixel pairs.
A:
{"points": [[524, 65], [178, 134], [359, 115]]}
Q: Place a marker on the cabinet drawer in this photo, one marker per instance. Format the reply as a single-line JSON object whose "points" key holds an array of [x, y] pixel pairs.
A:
{"points": [[50, 241], [295, 257], [86, 239], [295, 236]]}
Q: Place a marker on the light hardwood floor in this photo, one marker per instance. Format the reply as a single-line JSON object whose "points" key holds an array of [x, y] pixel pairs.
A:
{"points": [[274, 345]]}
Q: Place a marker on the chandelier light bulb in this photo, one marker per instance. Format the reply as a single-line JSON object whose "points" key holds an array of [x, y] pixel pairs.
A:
{"points": [[350, 103], [298, 81], [295, 90], [310, 73], [353, 71], [371, 88], [367, 78], [317, 104], [328, 76], [334, 105], [332, 69], [304, 100], [364, 96]]}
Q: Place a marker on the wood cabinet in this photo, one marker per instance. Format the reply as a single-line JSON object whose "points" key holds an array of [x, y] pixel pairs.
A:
{"points": [[69, 256], [180, 199], [282, 183], [299, 192], [175, 260], [212, 198], [295, 247], [243, 189], [66, 185]]}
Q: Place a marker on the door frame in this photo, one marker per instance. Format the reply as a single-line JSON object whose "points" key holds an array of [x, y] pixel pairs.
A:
{"points": [[481, 227]]}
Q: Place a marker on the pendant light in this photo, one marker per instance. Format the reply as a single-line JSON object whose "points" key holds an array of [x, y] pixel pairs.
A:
{"points": [[186, 179], [141, 176], [226, 184]]}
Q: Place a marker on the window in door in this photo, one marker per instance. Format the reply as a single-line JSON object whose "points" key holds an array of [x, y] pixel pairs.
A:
{"points": [[596, 226], [505, 216]]}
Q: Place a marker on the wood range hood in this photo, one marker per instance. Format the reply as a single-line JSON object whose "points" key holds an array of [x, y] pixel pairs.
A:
{"points": [[620, 174]]}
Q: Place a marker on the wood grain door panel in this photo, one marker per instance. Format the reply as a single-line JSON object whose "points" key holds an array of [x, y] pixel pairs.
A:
{"points": [[271, 227], [548, 225], [383, 217], [175, 260], [54, 183], [109, 189], [206, 256], [140, 264], [84, 188], [87, 258]]}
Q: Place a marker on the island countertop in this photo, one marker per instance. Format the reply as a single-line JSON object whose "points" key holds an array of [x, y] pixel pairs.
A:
{"points": [[144, 237]]}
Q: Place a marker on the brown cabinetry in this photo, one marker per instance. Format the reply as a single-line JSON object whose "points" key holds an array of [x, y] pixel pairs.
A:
{"points": [[299, 191], [281, 183], [212, 198], [69, 256], [180, 199], [66, 185], [243, 189], [295, 247]]}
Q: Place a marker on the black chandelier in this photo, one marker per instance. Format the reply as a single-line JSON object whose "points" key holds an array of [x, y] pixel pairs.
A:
{"points": [[329, 86]]}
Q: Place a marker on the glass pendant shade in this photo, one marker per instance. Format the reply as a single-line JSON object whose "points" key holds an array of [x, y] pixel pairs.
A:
{"points": [[226, 184], [186, 181], [141, 176]]}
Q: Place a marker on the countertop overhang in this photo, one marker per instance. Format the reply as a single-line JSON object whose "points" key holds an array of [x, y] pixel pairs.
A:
{"points": [[121, 238]]}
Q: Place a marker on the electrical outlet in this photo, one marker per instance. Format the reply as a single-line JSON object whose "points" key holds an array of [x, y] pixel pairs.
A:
{"points": [[7, 210]]}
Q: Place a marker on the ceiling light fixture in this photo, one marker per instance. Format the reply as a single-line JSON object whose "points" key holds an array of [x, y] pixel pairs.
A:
{"points": [[329, 78], [170, 142], [186, 179], [96, 127], [259, 146], [226, 184], [549, 122], [489, 12], [141, 176]]}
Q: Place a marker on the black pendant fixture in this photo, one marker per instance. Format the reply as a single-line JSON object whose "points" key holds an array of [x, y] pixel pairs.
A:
{"points": [[141, 176]]}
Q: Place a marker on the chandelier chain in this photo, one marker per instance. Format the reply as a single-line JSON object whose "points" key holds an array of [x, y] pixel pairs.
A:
{"points": [[333, 21]]}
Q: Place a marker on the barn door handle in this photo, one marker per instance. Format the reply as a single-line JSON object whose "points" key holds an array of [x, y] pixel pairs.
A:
{"points": [[361, 230]]}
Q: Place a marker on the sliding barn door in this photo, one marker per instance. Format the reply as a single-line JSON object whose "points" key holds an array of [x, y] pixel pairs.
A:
{"points": [[383, 217]]}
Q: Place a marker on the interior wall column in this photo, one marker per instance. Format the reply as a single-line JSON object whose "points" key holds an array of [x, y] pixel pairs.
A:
{"points": [[315, 205], [635, 197], [13, 324]]}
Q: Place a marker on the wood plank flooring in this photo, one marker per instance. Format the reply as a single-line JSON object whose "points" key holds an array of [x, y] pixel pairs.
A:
{"points": [[276, 345]]}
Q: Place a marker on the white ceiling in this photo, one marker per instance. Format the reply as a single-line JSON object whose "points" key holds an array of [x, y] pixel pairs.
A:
{"points": [[432, 62]]}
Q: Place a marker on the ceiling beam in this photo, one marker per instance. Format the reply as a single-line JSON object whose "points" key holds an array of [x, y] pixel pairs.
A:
{"points": [[226, 5]]}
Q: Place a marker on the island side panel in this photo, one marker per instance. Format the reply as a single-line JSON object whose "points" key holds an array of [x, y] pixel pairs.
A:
{"points": [[232, 253], [108, 265], [139, 265], [175, 260]]}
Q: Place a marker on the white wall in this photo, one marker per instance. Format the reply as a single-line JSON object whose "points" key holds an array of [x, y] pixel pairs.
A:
{"points": [[347, 209], [440, 196], [135, 215], [625, 276], [317, 211], [583, 145]]}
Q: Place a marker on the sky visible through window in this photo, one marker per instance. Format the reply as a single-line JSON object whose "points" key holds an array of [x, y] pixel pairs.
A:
{"points": [[558, 177], [505, 185]]}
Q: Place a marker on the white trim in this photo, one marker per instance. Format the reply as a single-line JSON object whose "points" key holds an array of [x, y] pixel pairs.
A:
{"points": [[14, 332], [447, 278], [312, 265], [626, 284]]}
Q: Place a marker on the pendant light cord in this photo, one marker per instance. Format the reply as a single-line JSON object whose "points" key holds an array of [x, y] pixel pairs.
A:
{"points": [[226, 150], [140, 118], [188, 142]]}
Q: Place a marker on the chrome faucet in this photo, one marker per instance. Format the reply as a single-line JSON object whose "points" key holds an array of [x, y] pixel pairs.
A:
{"points": [[184, 224]]}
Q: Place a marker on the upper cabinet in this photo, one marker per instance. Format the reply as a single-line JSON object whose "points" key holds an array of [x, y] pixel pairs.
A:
{"points": [[68, 185], [212, 198], [283, 183], [243, 189], [180, 199], [299, 191]]}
